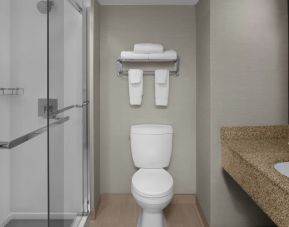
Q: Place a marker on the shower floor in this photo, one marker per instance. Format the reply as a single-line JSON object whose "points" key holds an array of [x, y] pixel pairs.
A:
{"points": [[39, 223]]}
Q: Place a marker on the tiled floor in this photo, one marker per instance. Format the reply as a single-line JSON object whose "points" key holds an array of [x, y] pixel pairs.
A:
{"points": [[122, 211]]}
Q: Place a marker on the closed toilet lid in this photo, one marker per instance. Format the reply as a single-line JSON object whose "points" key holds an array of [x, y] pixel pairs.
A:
{"points": [[152, 182]]}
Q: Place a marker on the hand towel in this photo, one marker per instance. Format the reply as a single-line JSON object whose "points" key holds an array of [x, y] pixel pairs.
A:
{"points": [[167, 55], [162, 87], [135, 84], [161, 77], [136, 78], [148, 48], [130, 55]]}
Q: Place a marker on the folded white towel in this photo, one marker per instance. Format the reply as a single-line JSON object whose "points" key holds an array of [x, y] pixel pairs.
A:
{"points": [[130, 55], [167, 55], [162, 79], [148, 48], [135, 84]]}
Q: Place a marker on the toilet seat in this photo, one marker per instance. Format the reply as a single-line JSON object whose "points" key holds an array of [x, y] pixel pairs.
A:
{"points": [[152, 183]]}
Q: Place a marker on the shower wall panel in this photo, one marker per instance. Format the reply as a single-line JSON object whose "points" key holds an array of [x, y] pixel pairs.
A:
{"points": [[29, 71], [5, 108]]}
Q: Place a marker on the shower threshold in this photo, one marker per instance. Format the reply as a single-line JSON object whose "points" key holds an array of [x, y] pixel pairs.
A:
{"points": [[39, 223]]}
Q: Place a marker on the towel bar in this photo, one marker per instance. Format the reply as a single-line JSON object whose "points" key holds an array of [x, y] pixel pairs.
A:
{"points": [[121, 71], [31, 135]]}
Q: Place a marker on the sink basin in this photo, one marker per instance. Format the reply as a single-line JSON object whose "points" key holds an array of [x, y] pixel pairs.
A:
{"points": [[283, 168]]}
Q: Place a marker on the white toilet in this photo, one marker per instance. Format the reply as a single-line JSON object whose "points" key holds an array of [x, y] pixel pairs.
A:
{"points": [[152, 185]]}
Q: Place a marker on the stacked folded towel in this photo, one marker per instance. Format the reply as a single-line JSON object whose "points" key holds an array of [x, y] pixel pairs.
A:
{"points": [[130, 55], [166, 55], [148, 48], [149, 51]]}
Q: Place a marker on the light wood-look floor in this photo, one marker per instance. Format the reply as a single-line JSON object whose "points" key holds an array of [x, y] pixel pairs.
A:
{"points": [[122, 211]]}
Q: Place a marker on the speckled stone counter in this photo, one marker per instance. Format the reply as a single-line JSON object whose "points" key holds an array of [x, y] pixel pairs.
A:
{"points": [[249, 155]]}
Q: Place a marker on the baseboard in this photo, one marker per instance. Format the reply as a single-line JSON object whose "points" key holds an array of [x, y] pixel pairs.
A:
{"points": [[184, 199], [201, 213], [95, 209], [93, 213]]}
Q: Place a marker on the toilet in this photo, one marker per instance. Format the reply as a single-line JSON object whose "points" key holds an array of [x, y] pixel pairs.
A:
{"points": [[152, 185]]}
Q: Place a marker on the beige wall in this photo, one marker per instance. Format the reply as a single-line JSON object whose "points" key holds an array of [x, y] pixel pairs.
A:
{"points": [[95, 92], [203, 106], [121, 27], [248, 86]]}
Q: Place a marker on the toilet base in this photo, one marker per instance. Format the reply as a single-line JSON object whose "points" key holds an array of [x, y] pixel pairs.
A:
{"points": [[149, 219]]}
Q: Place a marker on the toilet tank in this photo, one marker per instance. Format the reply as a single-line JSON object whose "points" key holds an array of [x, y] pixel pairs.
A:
{"points": [[151, 145]]}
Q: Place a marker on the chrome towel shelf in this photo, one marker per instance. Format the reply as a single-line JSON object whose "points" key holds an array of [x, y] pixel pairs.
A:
{"points": [[122, 71], [11, 91], [30, 135]]}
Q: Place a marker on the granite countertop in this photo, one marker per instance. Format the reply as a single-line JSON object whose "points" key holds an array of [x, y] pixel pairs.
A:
{"points": [[249, 155]]}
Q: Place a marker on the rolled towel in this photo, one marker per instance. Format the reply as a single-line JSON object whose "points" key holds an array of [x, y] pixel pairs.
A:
{"points": [[167, 55], [129, 55], [135, 84], [148, 48], [162, 87]]}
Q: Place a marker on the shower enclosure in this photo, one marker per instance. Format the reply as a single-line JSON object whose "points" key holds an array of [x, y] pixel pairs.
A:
{"points": [[44, 113]]}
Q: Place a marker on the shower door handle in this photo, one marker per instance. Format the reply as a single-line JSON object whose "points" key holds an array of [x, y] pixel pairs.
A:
{"points": [[54, 114], [85, 103]]}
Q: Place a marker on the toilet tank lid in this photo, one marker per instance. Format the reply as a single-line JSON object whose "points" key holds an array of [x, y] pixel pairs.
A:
{"points": [[151, 129]]}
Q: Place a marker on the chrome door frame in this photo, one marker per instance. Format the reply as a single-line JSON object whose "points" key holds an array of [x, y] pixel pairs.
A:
{"points": [[85, 115]]}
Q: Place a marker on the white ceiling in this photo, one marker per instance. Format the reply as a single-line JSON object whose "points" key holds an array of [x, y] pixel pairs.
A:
{"points": [[148, 2]]}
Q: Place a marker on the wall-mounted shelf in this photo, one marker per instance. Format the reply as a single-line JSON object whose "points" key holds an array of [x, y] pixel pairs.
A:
{"points": [[173, 72], [11, 91]]}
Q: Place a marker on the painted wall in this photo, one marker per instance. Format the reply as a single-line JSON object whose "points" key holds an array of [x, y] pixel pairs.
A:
{"points": [[250, 87], [249, 74], [203, 107], [121, 27], [5, 108], [95, 91]]}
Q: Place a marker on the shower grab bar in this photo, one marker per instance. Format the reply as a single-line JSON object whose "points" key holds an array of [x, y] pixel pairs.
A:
{"points": [[30, 135], [85, 103]]}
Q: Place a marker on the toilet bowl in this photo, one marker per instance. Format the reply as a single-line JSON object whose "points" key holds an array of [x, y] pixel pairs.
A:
{"points": [[153, 191], [151, 185]]}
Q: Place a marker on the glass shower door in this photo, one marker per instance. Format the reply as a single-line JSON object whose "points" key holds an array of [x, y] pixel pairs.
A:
{"points": [[43, 114], [67, 92], [23, 135]]}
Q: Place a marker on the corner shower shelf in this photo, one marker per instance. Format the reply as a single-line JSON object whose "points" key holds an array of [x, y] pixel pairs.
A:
{"points": [[11, 91]]}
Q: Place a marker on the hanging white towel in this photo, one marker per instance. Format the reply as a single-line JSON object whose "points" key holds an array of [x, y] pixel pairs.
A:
{"points": [[148, 48], [135, 84], [161, 77], [136, 78], [162, 82]]}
